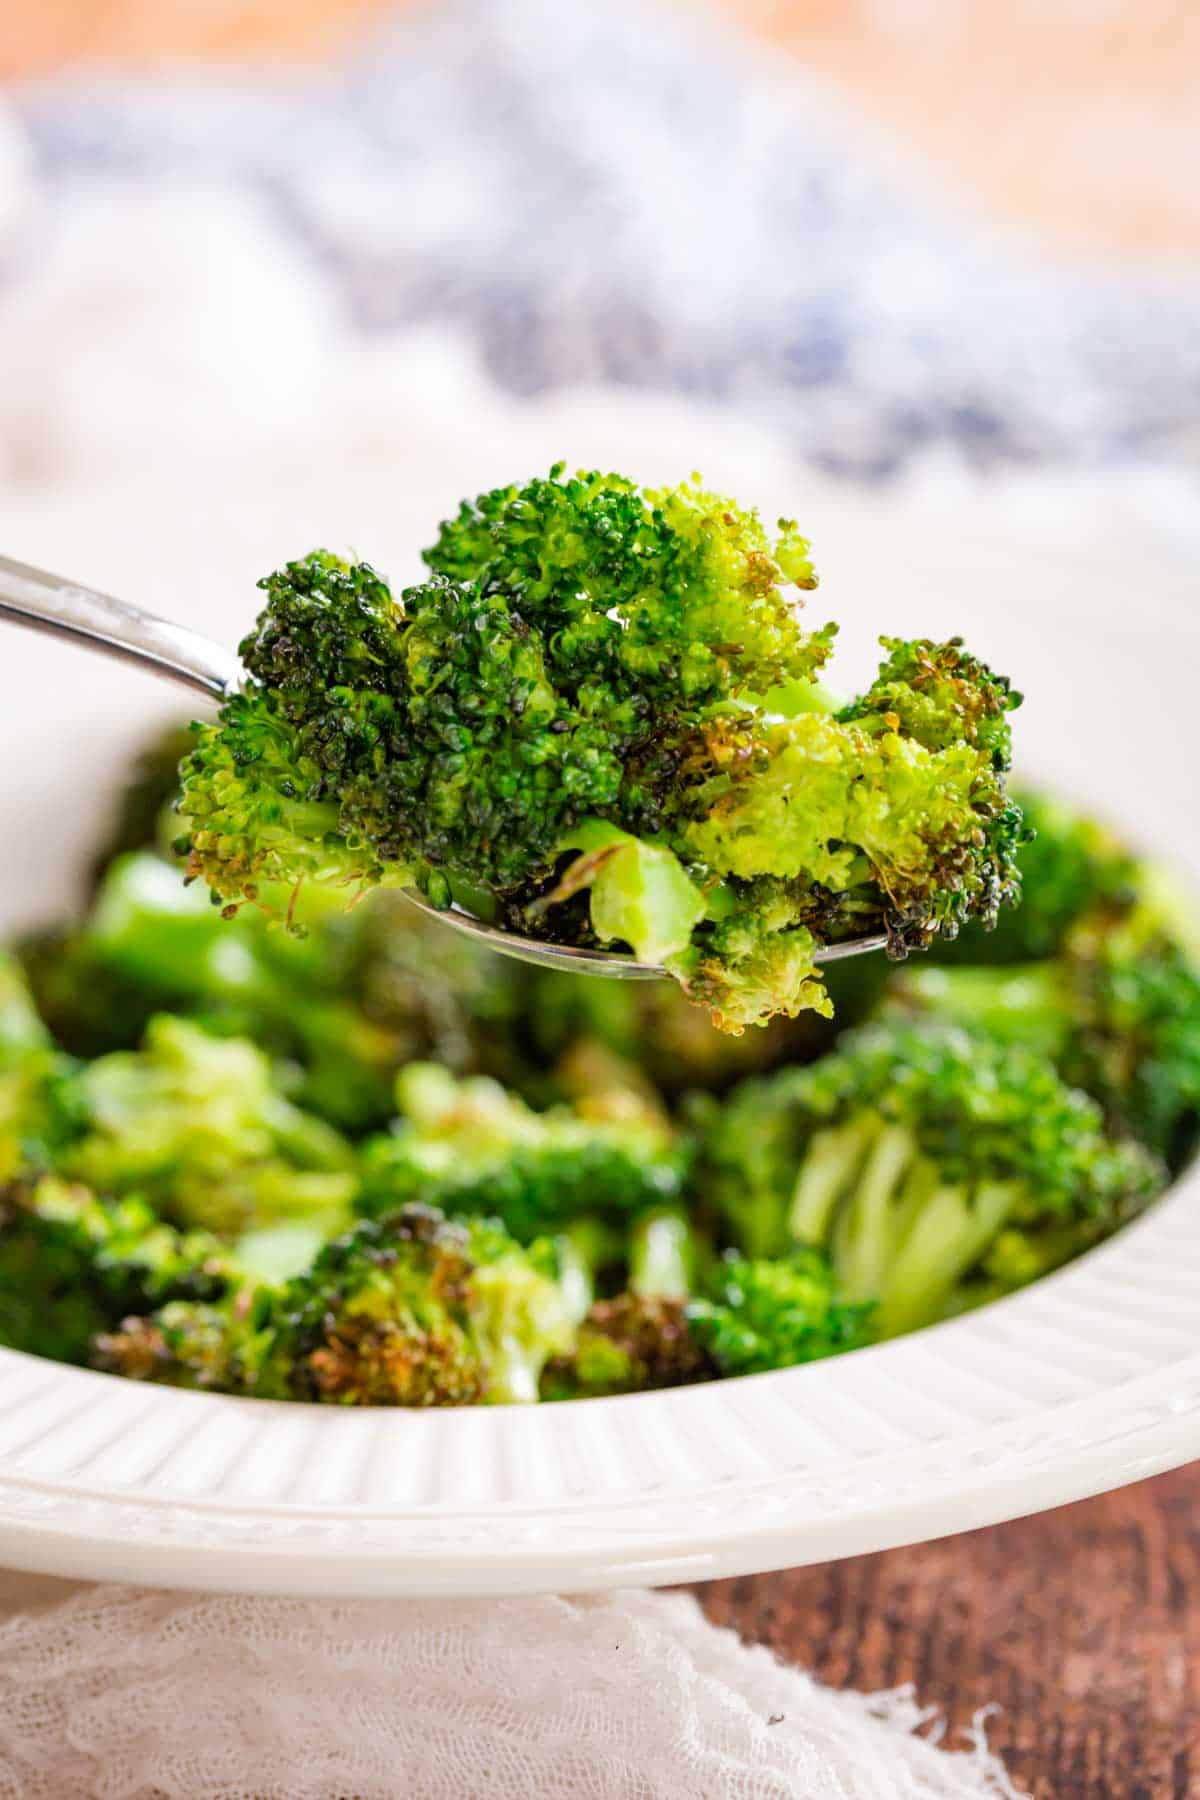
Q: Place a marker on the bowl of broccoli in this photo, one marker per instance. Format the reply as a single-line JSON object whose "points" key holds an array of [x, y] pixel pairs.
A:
{"points": [[341, 1253]]}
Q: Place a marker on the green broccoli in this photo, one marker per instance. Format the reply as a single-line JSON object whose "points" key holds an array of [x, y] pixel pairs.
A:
{"points": [[470, 1147], [72, 1265], [906, 1152], [1117, 1011], [599, 722], [409, 1310], [748, 1316], [195, 1125], [38, 1114]]}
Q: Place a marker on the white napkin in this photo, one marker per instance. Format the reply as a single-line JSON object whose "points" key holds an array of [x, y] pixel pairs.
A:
{"points": [[124, 1694]]}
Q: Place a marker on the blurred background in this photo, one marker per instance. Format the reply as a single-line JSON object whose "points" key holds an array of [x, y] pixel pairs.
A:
{"points": [[921, 273]]}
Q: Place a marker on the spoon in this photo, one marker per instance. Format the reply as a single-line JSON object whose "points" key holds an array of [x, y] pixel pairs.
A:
{"points": [[59, 608]]}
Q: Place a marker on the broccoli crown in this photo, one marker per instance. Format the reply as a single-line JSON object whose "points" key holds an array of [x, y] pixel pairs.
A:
{"points": [[771, 1313], [195, 1125], [415, 1310], [939, 695], [471, 1147], [519, 690], [905, 1152], [676, 588], [72, 1264]]}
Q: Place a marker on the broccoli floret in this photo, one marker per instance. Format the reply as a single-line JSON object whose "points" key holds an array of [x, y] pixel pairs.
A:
{"points": [[186, 1343], [598, 670], [410, 1310], [72, 1265], [770, 1314], [905, 1152], [470, 1147], [1117, 1010], [748, 1316], [666, 592], [195, 1125], [626, 1345]]}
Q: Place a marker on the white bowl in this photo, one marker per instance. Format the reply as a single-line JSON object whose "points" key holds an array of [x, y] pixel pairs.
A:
{"points": [[1087, 1380]]}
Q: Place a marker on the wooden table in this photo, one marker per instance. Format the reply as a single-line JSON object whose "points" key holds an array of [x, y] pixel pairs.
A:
{"points": [[1082, 1624]]}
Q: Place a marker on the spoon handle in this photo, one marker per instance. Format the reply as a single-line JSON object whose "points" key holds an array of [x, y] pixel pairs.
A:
{"points": [[49, 603]]}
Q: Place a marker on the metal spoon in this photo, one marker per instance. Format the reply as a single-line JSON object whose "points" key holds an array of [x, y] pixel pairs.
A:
{"points": [[59, 608]]}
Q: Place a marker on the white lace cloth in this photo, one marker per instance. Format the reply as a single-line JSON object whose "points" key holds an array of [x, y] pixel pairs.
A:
{"points": [[123, 1694]]}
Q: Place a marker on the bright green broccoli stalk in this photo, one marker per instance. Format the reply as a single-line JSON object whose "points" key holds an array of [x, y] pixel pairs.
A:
{"points": [[195, 1125], [591, 725], [748, 1316], [906, 1152], [72, 1265]]}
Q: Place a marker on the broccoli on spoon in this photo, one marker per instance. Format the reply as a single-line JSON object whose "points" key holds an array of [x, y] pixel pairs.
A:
{"points": [[599, 722]]}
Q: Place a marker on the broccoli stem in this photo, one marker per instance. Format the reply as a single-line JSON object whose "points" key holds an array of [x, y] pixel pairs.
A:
{"points": [[949, 1233], [865, 1234], [833, 1159], [662, 1255], [514, 1371], [581, 1251]]}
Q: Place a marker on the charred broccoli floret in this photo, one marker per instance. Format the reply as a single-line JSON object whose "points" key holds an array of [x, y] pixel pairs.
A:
{"points": [[575, 727], [195, 1125], [72, 1265], [906, 1152], [184, 1344], [409, 1310]]}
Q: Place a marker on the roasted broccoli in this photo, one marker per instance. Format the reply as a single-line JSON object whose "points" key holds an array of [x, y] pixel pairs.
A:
{"points": [[906, 1152], [410, 1310], [72, 1265], [1117, 1010], [470, 1147], [576, 726], [748, 1316], [195, 1125]]}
